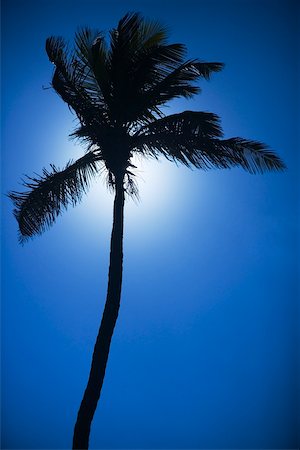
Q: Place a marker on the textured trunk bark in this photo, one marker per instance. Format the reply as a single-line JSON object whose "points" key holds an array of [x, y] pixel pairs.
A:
{"points": [[109, 318]]}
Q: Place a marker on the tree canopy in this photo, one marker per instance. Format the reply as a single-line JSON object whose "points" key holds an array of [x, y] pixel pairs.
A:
{"points": [[117, 89]]}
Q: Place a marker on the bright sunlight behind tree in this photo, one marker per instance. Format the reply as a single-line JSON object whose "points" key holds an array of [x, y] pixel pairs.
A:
{"points": [[117, 91]]}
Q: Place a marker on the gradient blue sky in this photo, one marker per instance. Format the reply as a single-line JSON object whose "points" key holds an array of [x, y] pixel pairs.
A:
{"points": [[205, 350]]}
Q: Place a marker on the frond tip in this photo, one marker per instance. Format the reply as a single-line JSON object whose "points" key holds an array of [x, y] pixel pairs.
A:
{"points": [[49, 194], [253, 156]]}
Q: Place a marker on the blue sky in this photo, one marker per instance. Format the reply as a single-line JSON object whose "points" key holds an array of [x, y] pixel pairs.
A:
{"points": [[206, 347]]}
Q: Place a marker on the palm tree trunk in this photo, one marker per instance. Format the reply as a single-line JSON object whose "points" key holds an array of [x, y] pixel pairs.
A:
{"points": [[109, 318]]}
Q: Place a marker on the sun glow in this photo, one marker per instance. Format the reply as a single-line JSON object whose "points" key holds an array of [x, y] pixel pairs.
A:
{"points": [[157, 182]]}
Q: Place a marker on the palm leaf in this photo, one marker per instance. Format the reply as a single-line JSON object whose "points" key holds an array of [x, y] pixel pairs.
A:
{"points": [[91, 53], [85, 38], [253, 156], [188, 125], [132, 83], [70, 80], [37, 208], [138, 59], [153, 33], [179, 82], [146, 72], [192, 138]]}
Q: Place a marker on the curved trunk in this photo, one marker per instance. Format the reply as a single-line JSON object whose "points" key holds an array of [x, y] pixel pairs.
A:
{"points": [[109, 318]]}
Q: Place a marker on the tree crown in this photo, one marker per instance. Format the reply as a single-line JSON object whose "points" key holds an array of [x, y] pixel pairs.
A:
{"points": [[117, 90]]}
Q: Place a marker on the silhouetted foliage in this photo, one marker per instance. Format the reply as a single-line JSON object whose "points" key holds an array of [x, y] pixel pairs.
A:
{"points": [[38, 208], [117, 90]]}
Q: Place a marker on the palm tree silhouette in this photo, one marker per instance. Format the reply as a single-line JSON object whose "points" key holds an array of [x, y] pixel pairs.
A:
{"points": [[117, 92]]}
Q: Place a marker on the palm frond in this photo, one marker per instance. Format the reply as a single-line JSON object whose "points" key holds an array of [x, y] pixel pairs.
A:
{"points": [[87, 134], [126, 37], [253, 156], [130, 186], [85, 38], [153, 33], [154, 64], [56, 49], [59, 54], [130, 99], [189, 125], [146, 72], [205, 69], [91, 53], [129, 80], [179, 82], [192, 138], [71, 81], [137, 59], [49, 194]]}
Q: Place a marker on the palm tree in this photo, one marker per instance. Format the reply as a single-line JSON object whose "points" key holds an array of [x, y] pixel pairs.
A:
{"points": [[117, 92]]}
